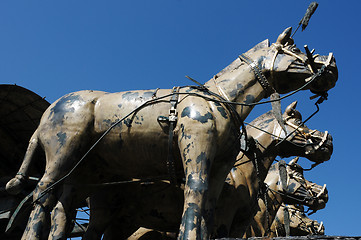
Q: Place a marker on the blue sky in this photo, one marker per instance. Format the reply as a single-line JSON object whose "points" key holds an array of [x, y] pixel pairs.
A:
{"points": [[56, 47]]}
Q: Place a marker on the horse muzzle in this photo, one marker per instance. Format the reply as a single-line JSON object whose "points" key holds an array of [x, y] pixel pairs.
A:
{"points": [[315, 228], [320, 197], [319, 147], [328, 73]]}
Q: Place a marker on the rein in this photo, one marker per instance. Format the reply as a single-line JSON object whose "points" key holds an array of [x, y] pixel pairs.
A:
{"points": [[283, 180]]}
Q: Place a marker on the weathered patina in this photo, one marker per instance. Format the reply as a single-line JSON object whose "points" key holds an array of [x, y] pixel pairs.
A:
{"points": [[205, 136], [300, 223], [298, 190], [158, 205], [245, 181], [295, 190]]}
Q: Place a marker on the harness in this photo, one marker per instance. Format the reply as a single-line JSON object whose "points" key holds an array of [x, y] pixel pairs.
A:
{"points": [[282, 168], [172, 120], [275, 98], [269, 90], [173, 114], [261, 78], [277, 133], [283, 177]]}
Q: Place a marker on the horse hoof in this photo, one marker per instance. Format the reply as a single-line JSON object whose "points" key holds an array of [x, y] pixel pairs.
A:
{"points": [[15, 185]]}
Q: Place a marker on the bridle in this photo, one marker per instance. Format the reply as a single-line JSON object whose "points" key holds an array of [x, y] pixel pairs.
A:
{"points": [[303, 136], [311, 228], [303, 190], [280, 48], [295, 212], [275, 98]]}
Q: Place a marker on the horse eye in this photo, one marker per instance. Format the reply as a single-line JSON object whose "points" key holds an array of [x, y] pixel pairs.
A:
{"points": [[295, 50], [299, 123]]}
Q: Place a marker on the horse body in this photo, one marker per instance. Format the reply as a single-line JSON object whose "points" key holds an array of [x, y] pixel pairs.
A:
{"points": [[147, 138], [137, 146], [235, 212], [277, 197], [158, 205]]}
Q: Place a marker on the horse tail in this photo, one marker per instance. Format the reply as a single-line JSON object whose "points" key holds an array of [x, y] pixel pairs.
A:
{"points": [[16, 184]]}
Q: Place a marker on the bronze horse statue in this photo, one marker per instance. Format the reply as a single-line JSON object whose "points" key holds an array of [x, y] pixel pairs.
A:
{"points": [[158, 205], [244, 182], [297, 190], [300, 223], [294, 189], [139, 134]]}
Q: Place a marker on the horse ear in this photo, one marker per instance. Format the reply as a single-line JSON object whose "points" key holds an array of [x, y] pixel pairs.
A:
{"points": [[290, 109], [285, 36], [294, 161]]}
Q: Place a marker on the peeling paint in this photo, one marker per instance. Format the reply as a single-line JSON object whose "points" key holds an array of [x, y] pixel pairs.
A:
{"points": [[249, 99], [195, 115], [197, 185], [190, 220], [61, 138], [129, 96], [64, 106]]}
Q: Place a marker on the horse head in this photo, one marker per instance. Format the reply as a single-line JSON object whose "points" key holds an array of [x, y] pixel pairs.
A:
{"points": [[287, 68], [295, 189], [300, 140], [300, 223], [314, 145], [285, 184]]}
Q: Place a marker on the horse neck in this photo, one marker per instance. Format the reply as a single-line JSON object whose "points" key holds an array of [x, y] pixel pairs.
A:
{"points": [[248, 169], [279, 221], [237, 83], [296, 217], [270, 207], [299, 221]]}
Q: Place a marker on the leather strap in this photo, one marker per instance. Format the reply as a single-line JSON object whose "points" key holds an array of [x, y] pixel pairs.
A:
{"points": [[286, 218], [283, 178], [172, 122], [261, 78]]}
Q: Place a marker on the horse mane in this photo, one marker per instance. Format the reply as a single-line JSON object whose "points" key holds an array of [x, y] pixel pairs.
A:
{"points": [[237, 63], [234, 65]]}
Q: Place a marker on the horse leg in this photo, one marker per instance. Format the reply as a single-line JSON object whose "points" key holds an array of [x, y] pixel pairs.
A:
{"points": [[62, 215], [122, 228], [107, 214], [240, 224], [220, 169], [62, 152], [38, 224], [197, 151], [100, 215]]}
